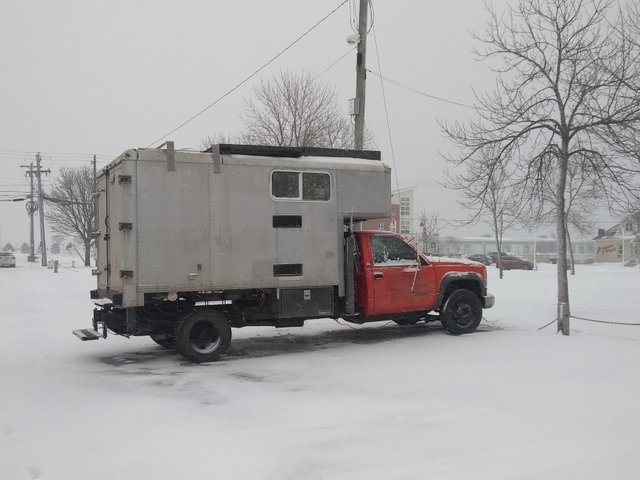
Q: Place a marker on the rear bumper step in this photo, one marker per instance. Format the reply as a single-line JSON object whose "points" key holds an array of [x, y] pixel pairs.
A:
{"points": [[87, 334]]}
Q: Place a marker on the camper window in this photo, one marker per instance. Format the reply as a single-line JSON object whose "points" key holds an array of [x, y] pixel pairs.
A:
{"points": [[285, 184], [315, 186]]}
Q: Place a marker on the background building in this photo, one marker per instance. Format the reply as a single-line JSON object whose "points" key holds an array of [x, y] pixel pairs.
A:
{"points": [[620, 243], [543, 249], [405, 199], [402, 215]]}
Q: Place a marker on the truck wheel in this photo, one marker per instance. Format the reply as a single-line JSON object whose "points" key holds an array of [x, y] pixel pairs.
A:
{"points": [[164, 340], [203, 335], [462, 312]]}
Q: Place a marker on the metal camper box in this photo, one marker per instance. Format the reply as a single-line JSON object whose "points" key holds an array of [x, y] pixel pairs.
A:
{"points": [[172, 221]]}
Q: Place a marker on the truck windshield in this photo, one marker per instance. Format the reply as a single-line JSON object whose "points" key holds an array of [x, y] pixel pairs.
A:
{"points": [[390, 251]]}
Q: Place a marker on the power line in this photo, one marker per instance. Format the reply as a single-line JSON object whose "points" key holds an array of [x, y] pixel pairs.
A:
{"points": [[238, 85], [386, 112], [424, 94], [56, 158], [333, 64], [34, 152]]}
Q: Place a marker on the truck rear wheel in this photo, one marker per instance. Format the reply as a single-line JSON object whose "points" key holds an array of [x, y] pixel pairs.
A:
{"points": [[203, 335], [462, 312]]}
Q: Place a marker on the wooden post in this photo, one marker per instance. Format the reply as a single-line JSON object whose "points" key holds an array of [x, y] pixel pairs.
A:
{"points": [[563, 318], [361, 75]]}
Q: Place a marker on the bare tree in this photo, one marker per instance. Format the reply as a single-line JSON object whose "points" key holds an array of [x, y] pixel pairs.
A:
{"points": [[568, 86], [430, 227], [581, 200], [453, 245], [71, 206], [296, 109], [493, 199], [503, 204], [220, 137]]}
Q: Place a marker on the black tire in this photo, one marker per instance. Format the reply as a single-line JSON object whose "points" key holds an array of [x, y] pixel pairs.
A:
{"points": [[461, 313], [164, 340], [203, 335]]}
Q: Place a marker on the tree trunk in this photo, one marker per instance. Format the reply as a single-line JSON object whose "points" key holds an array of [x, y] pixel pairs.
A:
{"points": [[498, 245], [87, 252], [573, 261], [561, 237]]}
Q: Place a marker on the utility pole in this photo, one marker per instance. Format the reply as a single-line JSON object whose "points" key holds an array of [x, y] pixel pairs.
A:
{"points": [[31, 207], [43, 241], [361, 75]]}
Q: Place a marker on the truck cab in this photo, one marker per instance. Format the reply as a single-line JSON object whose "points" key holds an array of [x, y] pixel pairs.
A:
{"points": [[395, 280]]}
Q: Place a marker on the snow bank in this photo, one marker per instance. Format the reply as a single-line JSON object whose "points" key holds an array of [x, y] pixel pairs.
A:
{"points": [[329, 401]]}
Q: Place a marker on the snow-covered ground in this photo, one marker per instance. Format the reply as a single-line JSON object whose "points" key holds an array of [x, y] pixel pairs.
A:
{"points": [[327, 401]]}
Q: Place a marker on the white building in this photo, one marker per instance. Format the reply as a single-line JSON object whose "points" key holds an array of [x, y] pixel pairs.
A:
{"points": [[405, 199]]}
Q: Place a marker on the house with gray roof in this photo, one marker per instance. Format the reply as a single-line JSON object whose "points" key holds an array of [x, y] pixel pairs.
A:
{"points": [[620, 243]]}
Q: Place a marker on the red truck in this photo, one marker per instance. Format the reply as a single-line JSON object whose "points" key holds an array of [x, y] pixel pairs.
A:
{"points": [[394, 281], [193, 243]]}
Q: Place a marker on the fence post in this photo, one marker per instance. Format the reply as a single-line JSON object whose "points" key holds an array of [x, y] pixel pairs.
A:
{"points": [[55, 266]]}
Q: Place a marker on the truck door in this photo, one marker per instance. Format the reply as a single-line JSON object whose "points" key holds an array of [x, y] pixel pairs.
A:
{"points": [[400, 282], [103, 232], [114, 199]]}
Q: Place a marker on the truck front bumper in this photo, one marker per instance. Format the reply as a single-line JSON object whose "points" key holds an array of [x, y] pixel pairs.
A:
{"points": [[489, 300]]}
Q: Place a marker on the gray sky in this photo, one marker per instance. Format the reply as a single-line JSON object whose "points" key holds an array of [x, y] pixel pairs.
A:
{"points": [[102, 76]]}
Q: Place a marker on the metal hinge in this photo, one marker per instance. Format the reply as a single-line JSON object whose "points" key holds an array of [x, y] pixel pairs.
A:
{"points": [[95, 272], [96, 234]]}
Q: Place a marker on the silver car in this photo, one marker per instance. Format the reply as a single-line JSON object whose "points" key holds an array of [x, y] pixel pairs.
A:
{"points": [[7, 259]]}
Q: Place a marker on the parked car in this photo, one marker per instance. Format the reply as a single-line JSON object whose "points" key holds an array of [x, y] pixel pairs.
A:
{"points": [[481, 258], [494, 256], [510, 262], [7, 259]]}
